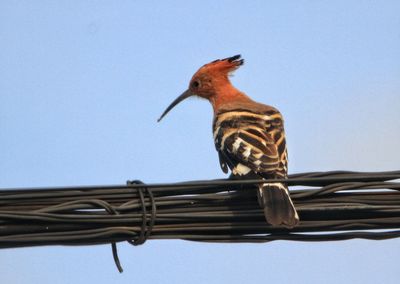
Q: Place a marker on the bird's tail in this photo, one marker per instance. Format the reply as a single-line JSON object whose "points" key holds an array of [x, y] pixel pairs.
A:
{"points": [[278, 207]]}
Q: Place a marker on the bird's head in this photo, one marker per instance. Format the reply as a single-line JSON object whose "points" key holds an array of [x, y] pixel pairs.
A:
{"points": [[209, 81]]}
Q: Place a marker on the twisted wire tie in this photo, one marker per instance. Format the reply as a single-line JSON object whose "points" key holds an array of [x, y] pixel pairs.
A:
{"points": [[147, 225]]}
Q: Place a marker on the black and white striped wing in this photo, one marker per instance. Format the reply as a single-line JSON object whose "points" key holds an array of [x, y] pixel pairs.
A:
{"points": [[247, 142]]}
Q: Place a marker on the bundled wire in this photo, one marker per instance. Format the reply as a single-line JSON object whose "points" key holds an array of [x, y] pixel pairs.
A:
{"points": [[332, 206]]}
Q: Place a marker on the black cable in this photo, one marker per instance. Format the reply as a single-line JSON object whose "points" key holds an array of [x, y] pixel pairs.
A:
{"points": [[332, 206]]}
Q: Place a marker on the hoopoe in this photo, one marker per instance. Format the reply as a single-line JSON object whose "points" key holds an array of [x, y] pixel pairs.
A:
{"points": [[248, 136]]}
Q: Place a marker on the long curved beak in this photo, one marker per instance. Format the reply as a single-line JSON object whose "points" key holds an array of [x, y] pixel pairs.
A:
{"points": [[184, 95]]}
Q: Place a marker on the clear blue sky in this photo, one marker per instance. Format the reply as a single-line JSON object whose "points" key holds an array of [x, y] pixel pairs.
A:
{"points": [[83, 82]]}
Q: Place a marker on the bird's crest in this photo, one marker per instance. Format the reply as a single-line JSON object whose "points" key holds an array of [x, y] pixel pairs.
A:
{"points": [[224, 66]]}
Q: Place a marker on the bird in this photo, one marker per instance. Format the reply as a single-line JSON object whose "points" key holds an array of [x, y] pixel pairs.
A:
{"points": [[249, 137]]}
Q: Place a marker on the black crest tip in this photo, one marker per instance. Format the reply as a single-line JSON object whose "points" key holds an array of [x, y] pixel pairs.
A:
{"points": [[234, 58]]}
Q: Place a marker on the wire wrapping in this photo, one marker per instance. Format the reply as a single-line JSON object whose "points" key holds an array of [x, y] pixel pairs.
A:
{"points": [[145, 229], [332, 206]]}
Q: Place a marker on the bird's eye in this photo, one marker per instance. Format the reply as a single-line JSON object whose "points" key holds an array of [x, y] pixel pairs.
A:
{"points": [[196, 84]]}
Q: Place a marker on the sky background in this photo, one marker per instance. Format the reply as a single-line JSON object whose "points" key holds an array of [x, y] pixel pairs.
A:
{"points": [[83, 82]]}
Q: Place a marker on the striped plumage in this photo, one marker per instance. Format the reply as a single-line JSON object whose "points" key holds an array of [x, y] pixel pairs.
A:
{"points": [[254, 140], [251, 142], [248, 136]]}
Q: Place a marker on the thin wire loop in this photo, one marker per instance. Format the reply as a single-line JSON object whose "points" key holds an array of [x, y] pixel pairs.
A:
{"points": [[147, 225]]}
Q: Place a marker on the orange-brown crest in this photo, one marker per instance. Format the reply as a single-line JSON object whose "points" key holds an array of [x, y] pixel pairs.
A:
{"points": [[222, 66]]}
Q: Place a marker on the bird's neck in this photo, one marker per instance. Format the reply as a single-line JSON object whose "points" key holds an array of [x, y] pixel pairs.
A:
{"points": [[227, 95]]}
